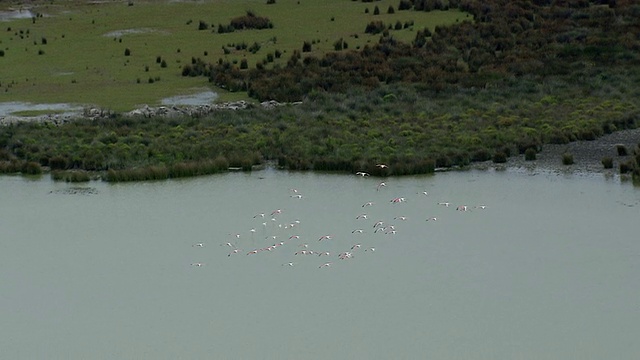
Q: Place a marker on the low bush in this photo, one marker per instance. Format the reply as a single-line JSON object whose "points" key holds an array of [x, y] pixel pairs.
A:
{"points": [[499, 157], [567, 159], [622, 150], [530, 154], [607, 162]]}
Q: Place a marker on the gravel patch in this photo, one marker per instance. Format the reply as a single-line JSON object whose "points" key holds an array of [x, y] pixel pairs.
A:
{"points": [[587, 156]]}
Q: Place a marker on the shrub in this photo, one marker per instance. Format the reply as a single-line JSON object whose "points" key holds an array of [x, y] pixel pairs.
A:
{"points": [[203, 25], [375, 27], [567, 159], [269, 2], [607, 162], [127, 52], [1, 53], [622, 150], [391, 10], [499, 157], [251, 21], [480, 155], [627, 167], [405, 5], [244, 64], [376, 10], [58, 163], [530, 154], [31, 168], [306, 46]]}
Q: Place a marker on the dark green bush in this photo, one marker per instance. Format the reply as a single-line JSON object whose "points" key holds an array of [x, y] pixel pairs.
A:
{"points": [[622, 150], [567, 159], [607, 162], [31, 168], [530, 154], [499, 157]]}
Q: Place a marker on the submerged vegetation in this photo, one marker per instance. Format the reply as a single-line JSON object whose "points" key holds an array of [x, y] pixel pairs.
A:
{"points": [[514, 76]]}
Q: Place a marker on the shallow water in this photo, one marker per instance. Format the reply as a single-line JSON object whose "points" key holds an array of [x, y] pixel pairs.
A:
{"points": [[15, 14], [201, 98], [8, 108], [548, 270]]}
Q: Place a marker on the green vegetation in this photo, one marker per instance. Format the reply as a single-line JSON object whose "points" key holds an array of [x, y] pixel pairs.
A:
{"points": [[607, 162], [567, 159], [412, 129], [83, 45], [499, 79]]}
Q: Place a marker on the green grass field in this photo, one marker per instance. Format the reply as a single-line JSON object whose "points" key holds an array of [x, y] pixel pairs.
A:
{"points": [[83, 60]]}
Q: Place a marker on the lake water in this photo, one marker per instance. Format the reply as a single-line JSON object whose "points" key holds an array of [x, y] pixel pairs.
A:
{"points": [[549, 269]]}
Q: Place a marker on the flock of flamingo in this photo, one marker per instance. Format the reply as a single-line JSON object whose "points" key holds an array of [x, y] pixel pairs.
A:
{"points": [[274, 234]]}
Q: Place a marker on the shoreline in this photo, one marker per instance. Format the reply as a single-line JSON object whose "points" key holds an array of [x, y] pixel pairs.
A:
{"points": [[587, 156]]}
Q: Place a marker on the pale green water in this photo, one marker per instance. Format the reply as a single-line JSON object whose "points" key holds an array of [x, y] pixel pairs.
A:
{"points": [[549, 270]]}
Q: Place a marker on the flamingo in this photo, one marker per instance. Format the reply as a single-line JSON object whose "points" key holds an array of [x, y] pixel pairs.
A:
{"points": [[325, 237], [297, 196], [378, 223], [400, 218], [325, 265], [432, 219], [258, 215], [294, 237], [302, 252], [197, 264], [371, 249], [355, 247], [380, 185], [252, 252], [359, 231], [234, 251], [361, 216], [361, 173], [198, 245], [444, 204], [398, 200], [367, 204], [277, 211], [345, 255], [480, 207], [382, 166], [462, 208], [288, 264], [228, 244], [326, 253]]}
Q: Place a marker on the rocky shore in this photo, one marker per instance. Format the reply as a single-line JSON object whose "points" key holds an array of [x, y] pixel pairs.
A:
{"points": [[587, 155], [143, 111]]}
